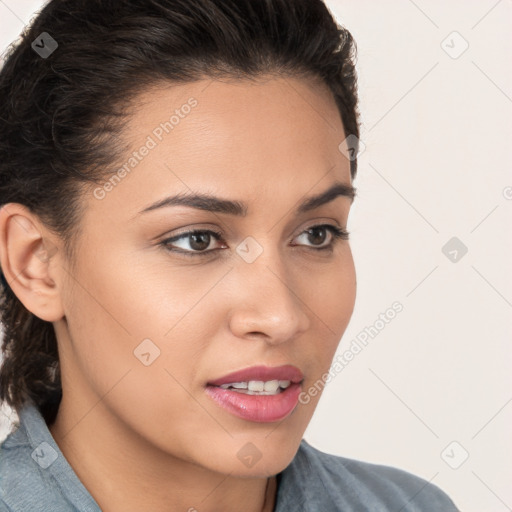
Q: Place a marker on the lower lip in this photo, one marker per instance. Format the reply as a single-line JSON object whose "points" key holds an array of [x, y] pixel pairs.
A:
{"points": [[258, 408]]}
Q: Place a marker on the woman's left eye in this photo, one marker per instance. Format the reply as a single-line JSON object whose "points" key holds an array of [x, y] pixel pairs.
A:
{"points": [[199, 241]]}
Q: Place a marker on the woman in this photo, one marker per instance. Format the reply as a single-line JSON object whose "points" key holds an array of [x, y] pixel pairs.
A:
{"points": [[176, 179]]}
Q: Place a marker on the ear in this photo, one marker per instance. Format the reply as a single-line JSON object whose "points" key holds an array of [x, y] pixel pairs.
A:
{"points": [[26, 252]]}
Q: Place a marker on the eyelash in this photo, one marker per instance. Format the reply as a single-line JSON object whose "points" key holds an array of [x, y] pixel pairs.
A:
{"points": [[336, 232]]}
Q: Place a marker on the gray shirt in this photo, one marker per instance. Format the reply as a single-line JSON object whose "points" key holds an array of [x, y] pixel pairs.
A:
{"points": [[36, 477]]}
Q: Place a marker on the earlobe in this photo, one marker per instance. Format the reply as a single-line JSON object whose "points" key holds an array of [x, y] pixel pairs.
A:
{"points": [[26, 253]]}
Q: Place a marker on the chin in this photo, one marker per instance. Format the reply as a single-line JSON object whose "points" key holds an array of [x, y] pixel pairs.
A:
{"points": [[257, 456]]}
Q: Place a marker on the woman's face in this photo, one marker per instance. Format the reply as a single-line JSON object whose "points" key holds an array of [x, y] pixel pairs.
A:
{"points": [[153, 316]]}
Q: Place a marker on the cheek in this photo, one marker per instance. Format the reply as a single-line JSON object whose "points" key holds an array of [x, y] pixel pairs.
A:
{"points": [[136, 343], [121, 318], [331, 295], [330, 301]]}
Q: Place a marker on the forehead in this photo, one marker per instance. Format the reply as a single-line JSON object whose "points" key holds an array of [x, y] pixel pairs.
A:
{"points": [[249, 139], [285, 116]]}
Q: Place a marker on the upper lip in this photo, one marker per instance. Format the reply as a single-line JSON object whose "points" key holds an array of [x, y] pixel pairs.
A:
{"points": [[261, 373]]}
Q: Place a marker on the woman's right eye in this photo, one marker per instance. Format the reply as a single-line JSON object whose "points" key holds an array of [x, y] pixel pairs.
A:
{"points": [[198, 242]]}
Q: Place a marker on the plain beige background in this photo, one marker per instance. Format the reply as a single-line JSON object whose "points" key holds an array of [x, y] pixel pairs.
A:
{"points": [[430, 392]]}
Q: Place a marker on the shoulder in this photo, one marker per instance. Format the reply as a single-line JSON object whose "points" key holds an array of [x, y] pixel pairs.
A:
{"points": [[34, 475], [19, 477], [338, 483]]}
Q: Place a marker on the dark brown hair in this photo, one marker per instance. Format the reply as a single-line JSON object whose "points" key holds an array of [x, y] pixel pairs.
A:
{"points": [[61, 114]]}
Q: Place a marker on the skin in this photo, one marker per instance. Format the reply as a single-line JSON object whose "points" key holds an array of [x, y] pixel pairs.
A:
{"points": [[143, 437]]}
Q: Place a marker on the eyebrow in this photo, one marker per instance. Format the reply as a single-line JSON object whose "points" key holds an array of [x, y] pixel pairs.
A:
{"points": [[211, 203]]}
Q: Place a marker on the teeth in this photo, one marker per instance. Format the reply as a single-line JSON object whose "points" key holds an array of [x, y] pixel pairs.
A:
{"points": [[255, 387], [271, 385], [236, 385], [239, 385]]}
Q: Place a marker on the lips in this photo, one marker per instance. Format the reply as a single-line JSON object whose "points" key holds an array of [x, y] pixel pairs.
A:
{"points": [[256, 405], [261, 373]]}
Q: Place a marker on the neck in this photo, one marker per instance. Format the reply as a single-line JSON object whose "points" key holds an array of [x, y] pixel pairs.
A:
{"points": [[123, 471]]}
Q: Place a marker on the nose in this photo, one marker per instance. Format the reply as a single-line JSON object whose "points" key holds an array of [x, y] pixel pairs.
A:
{"points": [[268, 304]]}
